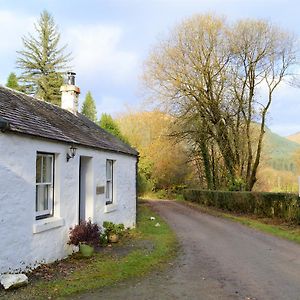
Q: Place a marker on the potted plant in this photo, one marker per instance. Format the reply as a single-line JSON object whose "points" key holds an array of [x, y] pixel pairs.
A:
{"points": [[86, 236], [113, 231]]}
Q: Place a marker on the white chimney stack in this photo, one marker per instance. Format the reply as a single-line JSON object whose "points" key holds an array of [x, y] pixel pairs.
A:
{"points": [[70, 94]]}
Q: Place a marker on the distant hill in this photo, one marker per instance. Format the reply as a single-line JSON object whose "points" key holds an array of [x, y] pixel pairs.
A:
{"points": [[279, 151], [294, 137]]}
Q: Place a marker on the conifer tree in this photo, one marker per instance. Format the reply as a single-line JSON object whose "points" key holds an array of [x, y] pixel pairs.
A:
{"points": [[107, 123], [12, 82], [43, 61], [89, 107]]}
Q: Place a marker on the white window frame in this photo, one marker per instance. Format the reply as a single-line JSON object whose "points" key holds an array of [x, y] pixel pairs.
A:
{"points": [[109, 190], [48, 212]]}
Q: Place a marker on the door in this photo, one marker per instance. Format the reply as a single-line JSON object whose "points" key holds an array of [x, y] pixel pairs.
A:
{"points": [[85, 188]]}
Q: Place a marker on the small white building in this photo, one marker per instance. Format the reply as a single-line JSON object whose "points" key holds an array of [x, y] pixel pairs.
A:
{"points": [[56, 168]]}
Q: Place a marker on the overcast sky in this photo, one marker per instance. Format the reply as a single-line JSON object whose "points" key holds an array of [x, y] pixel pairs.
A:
{"points": [[110, 39]]}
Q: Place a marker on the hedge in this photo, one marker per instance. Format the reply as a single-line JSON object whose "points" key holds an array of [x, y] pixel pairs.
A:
{"points": [[271, 205]]}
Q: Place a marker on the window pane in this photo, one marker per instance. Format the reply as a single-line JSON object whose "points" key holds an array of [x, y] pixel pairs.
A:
{"points": [[109, 190], [42, 194], [44, 184], [38, 168], [108, 169], [47, 169]]}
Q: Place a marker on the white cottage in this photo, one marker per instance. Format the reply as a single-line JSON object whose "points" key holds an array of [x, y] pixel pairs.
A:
{"points": [[56, 168]]}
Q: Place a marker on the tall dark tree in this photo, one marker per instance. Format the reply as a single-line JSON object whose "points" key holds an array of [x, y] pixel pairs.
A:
{"points": [[89, 107], [107, 123], [12, 82], [43, 61]]}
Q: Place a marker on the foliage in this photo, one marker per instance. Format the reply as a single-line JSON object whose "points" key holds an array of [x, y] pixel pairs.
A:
{"points": [[175, 192], [107, 123], [85, 274], [271, 205], [42, 61], [237, 184], [162, 162], [208, 74], [89, 107], [144, 183], [86, 232], [13, 83], [112, 228]]}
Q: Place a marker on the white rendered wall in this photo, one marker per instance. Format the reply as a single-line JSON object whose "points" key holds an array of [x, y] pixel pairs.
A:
{"points": [[26, 242]]}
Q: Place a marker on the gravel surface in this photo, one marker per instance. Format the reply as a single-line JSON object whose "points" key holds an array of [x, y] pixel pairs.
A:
{"points": [[219, 259]]}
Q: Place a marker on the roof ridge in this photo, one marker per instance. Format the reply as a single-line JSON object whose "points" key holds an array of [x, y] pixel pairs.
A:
{"points": [[29, 96]]}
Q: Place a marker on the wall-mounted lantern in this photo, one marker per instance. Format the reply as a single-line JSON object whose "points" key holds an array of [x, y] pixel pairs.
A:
{"points": [[71, 153]]}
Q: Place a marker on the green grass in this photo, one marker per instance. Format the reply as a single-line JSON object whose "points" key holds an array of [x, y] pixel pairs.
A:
{"points": [[161, 195], [285, 231], [104, 270], [158, 195]]}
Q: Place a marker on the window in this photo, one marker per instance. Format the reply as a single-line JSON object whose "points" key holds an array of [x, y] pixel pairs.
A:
{"points": [[44, 185], [109, 181]]}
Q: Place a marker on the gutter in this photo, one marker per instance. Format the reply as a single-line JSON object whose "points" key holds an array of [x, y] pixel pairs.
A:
{"points": [[4, 125]]}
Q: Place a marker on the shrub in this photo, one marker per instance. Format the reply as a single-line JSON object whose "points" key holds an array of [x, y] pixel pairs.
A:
{"points": [[111, 228], [271, 205], [86, 232], [162, 194], [144, 184]]}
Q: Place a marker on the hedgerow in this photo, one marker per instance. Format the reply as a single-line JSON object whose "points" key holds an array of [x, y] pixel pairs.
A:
{"points": [[271, 205]]}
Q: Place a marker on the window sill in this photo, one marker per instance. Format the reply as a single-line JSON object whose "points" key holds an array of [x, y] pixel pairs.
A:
{"points": [[110, 208], [47, 224]]}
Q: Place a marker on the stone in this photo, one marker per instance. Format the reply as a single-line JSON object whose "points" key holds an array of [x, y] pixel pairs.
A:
{"points": [[11, 281]]}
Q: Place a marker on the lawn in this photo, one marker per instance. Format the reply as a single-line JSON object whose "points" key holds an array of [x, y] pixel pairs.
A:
{"points": [[272, 226], [147, 248]]}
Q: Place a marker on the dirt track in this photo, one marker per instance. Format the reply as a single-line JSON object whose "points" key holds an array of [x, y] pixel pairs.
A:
{"points": [[219, 259]]}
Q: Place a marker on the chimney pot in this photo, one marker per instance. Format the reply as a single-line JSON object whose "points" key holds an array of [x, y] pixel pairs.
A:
{"points": [[71, 78]]}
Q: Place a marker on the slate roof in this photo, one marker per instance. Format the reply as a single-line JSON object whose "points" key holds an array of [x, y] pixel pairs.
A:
{"points": [[34, 117]]}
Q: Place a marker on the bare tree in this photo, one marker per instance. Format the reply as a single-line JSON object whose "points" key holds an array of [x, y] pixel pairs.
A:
{"points": [[207, 74], [263, 55]]}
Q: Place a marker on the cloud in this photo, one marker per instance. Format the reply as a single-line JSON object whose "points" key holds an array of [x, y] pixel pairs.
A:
{"points": [[110, 105], [12, 27], [284, 111], [285, 130], [97, 50]]}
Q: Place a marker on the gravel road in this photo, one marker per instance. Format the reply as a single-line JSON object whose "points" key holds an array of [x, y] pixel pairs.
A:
{"points": [[219, 259]]}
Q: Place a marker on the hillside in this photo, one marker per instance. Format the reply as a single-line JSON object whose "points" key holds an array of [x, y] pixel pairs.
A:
{"points": [[279, 151], [294, 137]]}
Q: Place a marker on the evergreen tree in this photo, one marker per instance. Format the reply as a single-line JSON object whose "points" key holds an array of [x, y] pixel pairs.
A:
{"points": [[89, 107], [12, 82], [42, 61], [107, 123]]}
